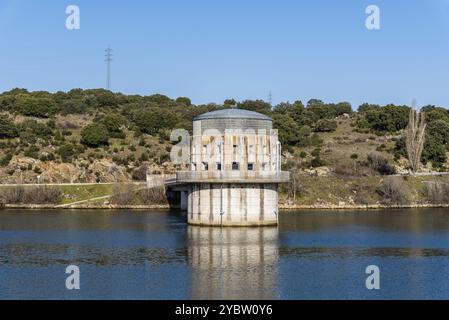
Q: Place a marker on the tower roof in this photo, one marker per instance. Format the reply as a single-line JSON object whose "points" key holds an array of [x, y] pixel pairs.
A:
{"points": [[232, 113]]}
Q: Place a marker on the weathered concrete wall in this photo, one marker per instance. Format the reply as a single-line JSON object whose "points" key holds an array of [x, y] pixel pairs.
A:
{"points": [[258, 148], [233, 204]]}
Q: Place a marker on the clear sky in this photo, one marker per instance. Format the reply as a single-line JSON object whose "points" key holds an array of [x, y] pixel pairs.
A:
{"points": [[210, 50]]}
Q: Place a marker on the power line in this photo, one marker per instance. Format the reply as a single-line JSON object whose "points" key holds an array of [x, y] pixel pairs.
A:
{"points": [[108, 60]]}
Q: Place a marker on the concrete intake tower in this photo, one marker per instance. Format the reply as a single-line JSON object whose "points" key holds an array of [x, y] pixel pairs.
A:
{"points": [[235, 169]]}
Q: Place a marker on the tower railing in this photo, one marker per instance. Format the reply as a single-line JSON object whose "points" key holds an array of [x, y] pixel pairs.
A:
{"points": [[233, 176]]}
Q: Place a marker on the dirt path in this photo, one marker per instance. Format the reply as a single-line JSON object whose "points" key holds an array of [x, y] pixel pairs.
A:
{"points": [[82, 201]]}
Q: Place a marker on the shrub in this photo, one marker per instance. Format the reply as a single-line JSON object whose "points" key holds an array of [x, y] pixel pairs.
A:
{"points": [[361, 198], [6, 159], [294, 186], [395, 191], [154, 120], [32, 152], [7, 128], [36, 107], [317, 162], [437, 192], [343, 169], [153, 195], [380, 164], [390, 118], [123, 194], [43, 195], [47, 157], [140, 174], [326, 125], [184, 100], [32, 195], [66, 153], [144, 157], [14, 195], [113, 122], [94, 135], [35, 129]]}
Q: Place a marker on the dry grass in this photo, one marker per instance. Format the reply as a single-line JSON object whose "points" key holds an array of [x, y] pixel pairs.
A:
{"points": [[32, 195]]}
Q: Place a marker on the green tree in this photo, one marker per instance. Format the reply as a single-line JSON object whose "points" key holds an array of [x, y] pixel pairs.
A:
{"points": [[325, 125], [388, 119], [287, 129], [228, 103], [154, 120], [94, 135], [342, 108], [6, 159], [66, 152], [184, 101], [255, 105], [114, 124], [7, 128], [35, 107]]}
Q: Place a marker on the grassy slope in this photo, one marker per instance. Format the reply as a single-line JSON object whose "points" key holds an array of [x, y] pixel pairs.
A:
{"points": [[337, 148], [78, 192]]}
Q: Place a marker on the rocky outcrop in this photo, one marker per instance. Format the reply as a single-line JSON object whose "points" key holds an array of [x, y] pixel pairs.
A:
{"points": [[31, 171]]}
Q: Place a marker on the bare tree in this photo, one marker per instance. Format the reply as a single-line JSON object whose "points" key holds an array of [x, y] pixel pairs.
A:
{"points": [[414, 137]]}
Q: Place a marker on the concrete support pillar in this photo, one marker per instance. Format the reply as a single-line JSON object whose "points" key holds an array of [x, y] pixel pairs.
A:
{"points": [[242, 204], [183, 200]]}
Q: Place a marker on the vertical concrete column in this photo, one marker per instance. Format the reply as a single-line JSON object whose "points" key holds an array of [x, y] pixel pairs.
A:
{"points": [[184, 200]]}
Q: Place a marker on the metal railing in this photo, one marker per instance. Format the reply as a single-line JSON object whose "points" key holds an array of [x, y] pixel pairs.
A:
{"points": [[232, 176]]}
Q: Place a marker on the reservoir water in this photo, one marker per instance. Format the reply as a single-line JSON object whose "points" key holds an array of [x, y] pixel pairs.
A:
{"points": [[155, 255]]}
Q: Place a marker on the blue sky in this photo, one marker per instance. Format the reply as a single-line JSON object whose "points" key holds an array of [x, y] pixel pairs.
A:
{"points": [[213, 50]]}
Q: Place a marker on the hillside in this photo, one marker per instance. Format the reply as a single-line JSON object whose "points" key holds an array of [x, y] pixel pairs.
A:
{"points": [[96, 136]]}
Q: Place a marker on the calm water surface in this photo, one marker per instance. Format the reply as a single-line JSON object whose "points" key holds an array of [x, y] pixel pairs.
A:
{"points": [[155, 255]]}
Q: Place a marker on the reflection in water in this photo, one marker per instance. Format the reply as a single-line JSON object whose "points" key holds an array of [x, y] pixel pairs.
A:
{"points": [[233, 263]]}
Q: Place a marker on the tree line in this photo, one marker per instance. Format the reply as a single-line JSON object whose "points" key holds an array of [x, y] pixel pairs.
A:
{"points": [[299, 124]]}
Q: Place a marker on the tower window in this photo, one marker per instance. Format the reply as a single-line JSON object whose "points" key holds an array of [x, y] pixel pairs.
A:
{"points": [[205, 166], [235, 166], [250, 166], [219, 166]]}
